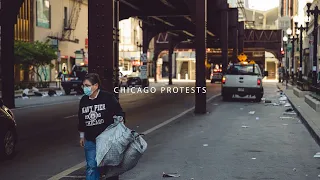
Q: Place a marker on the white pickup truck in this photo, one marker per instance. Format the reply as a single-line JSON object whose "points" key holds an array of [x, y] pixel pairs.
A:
{"points": [[243, 80]]}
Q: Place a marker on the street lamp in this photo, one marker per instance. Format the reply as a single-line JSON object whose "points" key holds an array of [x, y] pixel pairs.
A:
{"points": [[292, 38], [289, 31], [285, 40], [315, 12], [300, 31]]}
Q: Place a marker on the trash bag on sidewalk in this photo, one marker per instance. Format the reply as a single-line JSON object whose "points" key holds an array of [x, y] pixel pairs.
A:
{"points": [[131, 157], [112, 143]]}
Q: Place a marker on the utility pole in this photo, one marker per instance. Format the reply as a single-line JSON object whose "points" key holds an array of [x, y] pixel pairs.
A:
{"points": [[301, 29], [315, 12]]}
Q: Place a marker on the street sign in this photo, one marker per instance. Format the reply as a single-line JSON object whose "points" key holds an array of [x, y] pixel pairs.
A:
{"points": [[143, 75], [144, 57], [143, 72], [59, 56], [143, 68], [242, 57]]}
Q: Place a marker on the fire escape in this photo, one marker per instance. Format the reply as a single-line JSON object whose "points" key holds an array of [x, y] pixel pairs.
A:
{"points": [[72, 23]]}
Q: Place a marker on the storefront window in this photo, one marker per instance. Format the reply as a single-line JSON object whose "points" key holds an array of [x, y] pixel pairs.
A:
{"points": [[45, 73], [43, 13]]}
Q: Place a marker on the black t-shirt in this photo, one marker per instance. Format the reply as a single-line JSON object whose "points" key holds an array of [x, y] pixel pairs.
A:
{"points": [[95, 115]]}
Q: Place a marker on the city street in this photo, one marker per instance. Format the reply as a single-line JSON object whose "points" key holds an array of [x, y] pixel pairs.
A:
{"points": [[48, 136], [236, 140]]}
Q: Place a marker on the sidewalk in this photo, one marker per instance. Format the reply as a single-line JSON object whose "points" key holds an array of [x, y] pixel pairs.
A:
{"points": [[228, 143], [309, 116]]}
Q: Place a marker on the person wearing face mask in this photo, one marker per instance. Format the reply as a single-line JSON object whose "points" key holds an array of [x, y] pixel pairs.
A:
{"points": [[96, 111]]}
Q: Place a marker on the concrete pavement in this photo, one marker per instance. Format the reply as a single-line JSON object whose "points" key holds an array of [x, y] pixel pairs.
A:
{"points": [[217, 146], [48, 137], [309, 116], [229, 143]]}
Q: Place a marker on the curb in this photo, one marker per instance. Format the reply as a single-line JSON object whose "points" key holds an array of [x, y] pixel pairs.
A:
{"points": [[305, 122]]}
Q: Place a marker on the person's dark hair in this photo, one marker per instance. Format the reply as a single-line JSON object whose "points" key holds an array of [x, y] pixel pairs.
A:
{"points": [[93, 78]]}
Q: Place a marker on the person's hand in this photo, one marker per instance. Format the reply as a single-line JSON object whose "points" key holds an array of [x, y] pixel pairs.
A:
{"points": [[82, 142]]}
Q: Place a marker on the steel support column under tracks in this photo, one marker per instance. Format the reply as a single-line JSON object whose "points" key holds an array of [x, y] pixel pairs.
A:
{"points": [[116, 46], [224, 38], [171, 49], [234, 32], [201, 54], [7, 62], [102, 37], [240, 36], [145, 46]]}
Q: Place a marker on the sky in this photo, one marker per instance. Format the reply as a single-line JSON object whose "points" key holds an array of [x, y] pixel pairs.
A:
{"points": [[263, 5]]}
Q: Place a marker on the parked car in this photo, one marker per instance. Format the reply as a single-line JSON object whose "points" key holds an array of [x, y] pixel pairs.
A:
{"points": [[133, 80], [8, 132], [243, 80], [216, 75], [73, 81]]}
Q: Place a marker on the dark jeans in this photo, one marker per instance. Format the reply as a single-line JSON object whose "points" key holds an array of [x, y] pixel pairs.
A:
{"points": [[92, 171]]}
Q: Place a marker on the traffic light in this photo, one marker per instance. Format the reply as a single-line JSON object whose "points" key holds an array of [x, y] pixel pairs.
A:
{"points": [[282, 52]]}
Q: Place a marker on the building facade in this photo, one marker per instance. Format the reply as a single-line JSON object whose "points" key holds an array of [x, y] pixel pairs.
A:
{"points": [[308, 47], [130, 45], [24, 31], [65, 24]]}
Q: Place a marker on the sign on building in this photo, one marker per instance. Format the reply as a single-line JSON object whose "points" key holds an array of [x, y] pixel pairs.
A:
{"points": [[144, 57], [143, 72], [59, 56]]}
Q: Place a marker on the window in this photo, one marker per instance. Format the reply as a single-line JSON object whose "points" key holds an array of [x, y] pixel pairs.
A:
{"points": [[248, 69], [135, 36], [43, 15], [65, 20]]}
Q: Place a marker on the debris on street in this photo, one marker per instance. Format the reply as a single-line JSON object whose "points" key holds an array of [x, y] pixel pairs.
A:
{"points": [[282, 102], [287, 105], [170, 175], [317, 155], [289, 113], [283, 98], [289, 110], [286, 117], [267, 101]]}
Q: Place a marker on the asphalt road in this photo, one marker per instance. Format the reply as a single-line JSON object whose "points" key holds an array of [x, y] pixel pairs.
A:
{"points": [[48, 136], [231, 144]]}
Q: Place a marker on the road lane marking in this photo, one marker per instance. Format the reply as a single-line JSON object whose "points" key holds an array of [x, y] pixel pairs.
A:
{"points": [[75, 177], [41, 105], [67, 117], [82, 164], [68, 171]]}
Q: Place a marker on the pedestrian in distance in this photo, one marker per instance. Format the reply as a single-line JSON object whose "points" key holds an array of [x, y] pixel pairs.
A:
{"points": [[96, 111]]}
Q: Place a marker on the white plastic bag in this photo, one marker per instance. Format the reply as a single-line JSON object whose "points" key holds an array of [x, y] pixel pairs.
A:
{"points": [[131, 157], [112, 143]]}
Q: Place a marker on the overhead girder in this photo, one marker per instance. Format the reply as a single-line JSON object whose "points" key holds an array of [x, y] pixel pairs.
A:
{"points": [[170, 13], [11, 12]]}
